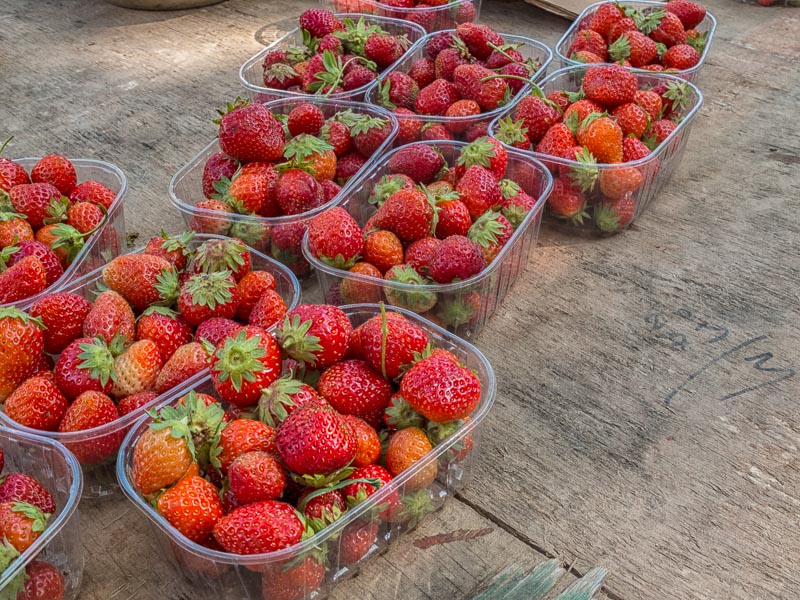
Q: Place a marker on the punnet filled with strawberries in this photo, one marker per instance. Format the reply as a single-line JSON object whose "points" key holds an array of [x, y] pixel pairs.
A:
{"points": [[310, 450], [611, 137], [432, 15], [453, 83], [439, 228], [85, 362], [276, 165], [329, 55], [672, 37], [59, 218], [41, 555]]}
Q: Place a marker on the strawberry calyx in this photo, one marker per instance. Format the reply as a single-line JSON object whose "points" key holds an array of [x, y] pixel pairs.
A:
{"points": [[158, 310], [607, 217], [698, 41], [300, 148], [276, 398], [167, 286], [400, 415], [66, 236], [57, 210], [6, 254], [33, 513], [229, 107], [585, 173], [323, 480], [679, 93], [238, 359], [510, 131], [459, 45], [8, 215], [297, 342], [418, 301], [280, 72], [97, 358], [364, 123], [249, 232], [15, 313], [180, 242], [329, 79], [384, 88], [355, 34], [214, 256], [210, 289], [388, 185], [373, 481], [9, 554], [620, 49], [455, 312], [339, 261], [509, 189], [486, 229], [439, 432], [415, 506], [478, 152]]}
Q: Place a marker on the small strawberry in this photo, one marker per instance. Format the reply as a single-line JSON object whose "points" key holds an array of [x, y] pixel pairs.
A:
{"points": [[435, 131], [632, 119], [406, 447], [216, 329], [355, 291], [43, 581], [480, 39], [566, 201], [192, 506], [136, 368], [650, 101], [211, 217], [37, 403], [21, 345], [305, 118], [50, 261], [358, 77], [19, 487], [660, 130], [356, 493], [349, 166], [369, 444], [251, 133], [244, 365], [358, 538], [283, 396], [477, 83], [94, 192], [250, 289], [322, 508], [256, 476], [389, 342], [38, 202], [14, 228], [408, 214], [589, 41], [21, 524], [383, 49], [187, 360], [166, 328], [315, 335], [337, 134], [335, 238], [369, 134], [388, 185], [669, 31], [142, 279], [57, 171], [420, 162], [491, 231], [453, 218], [459, 111], [89, 410], [516, 202], [457, 257], [633, 149], [556, 141], [353, 388], [11, 173], [479, 190], [293, 580], [423, 71], [242, 436], [624, 25], [319, 22], [397, 90], [260, 527], [418, 254], [383, 249], [84, 216], [680, 56], [207, 295], [217, 166], [268, 311], [486, 152], [135, 403], [447, 60], [602, 136], [612, 215], [109, 317]]}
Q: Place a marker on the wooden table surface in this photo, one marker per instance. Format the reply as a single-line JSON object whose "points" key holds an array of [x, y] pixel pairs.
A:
{"points": [[645, 420]]}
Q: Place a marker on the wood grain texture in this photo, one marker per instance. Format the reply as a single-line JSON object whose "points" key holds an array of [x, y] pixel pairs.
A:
{"points": [[638, 425]]}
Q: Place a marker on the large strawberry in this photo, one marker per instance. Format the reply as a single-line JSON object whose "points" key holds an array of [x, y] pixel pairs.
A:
{"points": [[37, 403], [89, 410], [389, 342], [192, 506], [19, 487], [244, 365], [440, 389], [408, 214], [420, 162], [353, 388], [21, 345], [242, 436], [316, 335], [298, 192], [260, 527], [63, 315], [110, 317], [37, 201], [142, 279], [43, 581], [335, 238], [537, 115], [57, 171], [23, 280], [479, 190], [250, 133], [610, 85], [166, 328], [50, 261], [85, 365], [457, 257], [436, 98], [256, 476], [479, 84]]}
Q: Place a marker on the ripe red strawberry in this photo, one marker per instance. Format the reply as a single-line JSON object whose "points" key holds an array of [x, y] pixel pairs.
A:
{"points": [[616, 183], [650, 101], [458, 111], [633, 149], [479, 39], [135, 402], [436, 98], [166, 328], [670, 30], [21, 524], [406, 213], [660, 129], [315, 440], [57, 171], [612, 215], [174, 248], [37, 201], [610, 85], [632, 119], [85, 365], [605, 17], [335, 238], [418, 254], [337, 135], [244, 365], [287, 581], [486, 152], [397, 90], [353, 388], [472, 83], [680, 56], [305, 118], [348, 166], [383, 250], [689, 13], [586, 57], [187, 360], [250, 133], [322, 509], [14, 229], [453, 219], [216, 329], [242, 436], [89, 410], [438, 42], [421, 162], [298, 192], [256, 476], [110, 316], [406, 447], [389, 343], [260, 527], [423, 71], [192, 506], [603, 138], [63, 315], [369, 444], [11, 173], [211, 217], [457, 257], [358, 538], [52, 265], [491, 231], [142, 279], [383, 49], [319, 22], [556, 141], [512, 133], [479, 190], [217, 166], [283, 396], [516, 202], [37, 403], [19, 487], [84, 216], [43, 581], [356, 493], [357, 77], [446, 62], [316, 335], [136, 369], [268, 311], [537, 116], [635, 47], [435, 131], [566, 201], [24, 279], [368, 134], [589, 41], [250, 289], [207, 295]]}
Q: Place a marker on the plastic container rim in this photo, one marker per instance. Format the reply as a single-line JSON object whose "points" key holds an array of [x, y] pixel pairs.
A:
{"points": [[441, 287], [488, 394]]}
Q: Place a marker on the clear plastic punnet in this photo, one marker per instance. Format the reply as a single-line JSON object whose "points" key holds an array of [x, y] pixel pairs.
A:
{"points": [[99, 477], [432, 18], [278, 237], [656, 168], [103, 245], [217, 574], [59, 472], [707, 26], [463, 307], [251, 73]]}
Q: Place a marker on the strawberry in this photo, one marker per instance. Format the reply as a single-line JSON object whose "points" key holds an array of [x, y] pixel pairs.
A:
{"points": [[423, 71], [612, 215], [491, 231], [21, 345], [216, 329], [624, 25], [256, 476], [660, 129], [11, 173], [315, 441], [293, 580], [680, 56], [358, 538], [242, 436], [38, 202], [250, 133], [242, 366], [406, 447], [19, 487], [135, 402], [89, 410], [512, 133], [268, 311], [406, 213], [136, 368], [305, 118], [584, 56], [354, 291], [315, 335], [250, 289], [616, 183], [298, 192], [610, 85], [480, 39], [420, 162], [348, 166], [516, 202], [556, 141], [566, 201], [447, 61], [110, 316], [383, 49], [397, 90], [383, 250], [21, 524], [356, 493], [43, 581], [286, 244], [453, 219], [23, 280], [581, 109], [321, 509], [670, 30], [36, 403], [650, 101], [85, 365], [635, 47], [210, 217], [56, 171], [438, 42], [477, 83], [358, 77], [337, 135], [457, 257], [166, 328], [691, 14], [335, 238], [260, 527], [633, 149], [207, 295], [84, 216], [177, 438], [330, 189], [479, 190], [632, 119], [589, 41], [368, 134], [435, 131], [458, 111], [187, 360], [217, 166], [369, 444], [537, 116], [388, 185], [192, 506], [603, 138], [213, 256], [389, 342], [440, 389], [418, 254], [436, 98], [486, 152], [52, 265], [353, 388], [142, 279], [14, 228], [605, 17], [319, 22]]}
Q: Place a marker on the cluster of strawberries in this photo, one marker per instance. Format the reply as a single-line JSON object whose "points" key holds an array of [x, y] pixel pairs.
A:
{"points": [[45, 219], [146, 333], [336, 56], [273, 164], [432, 15], [269, 460], [25, 510], [460, 75], [655, 39], [610, 121]]}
